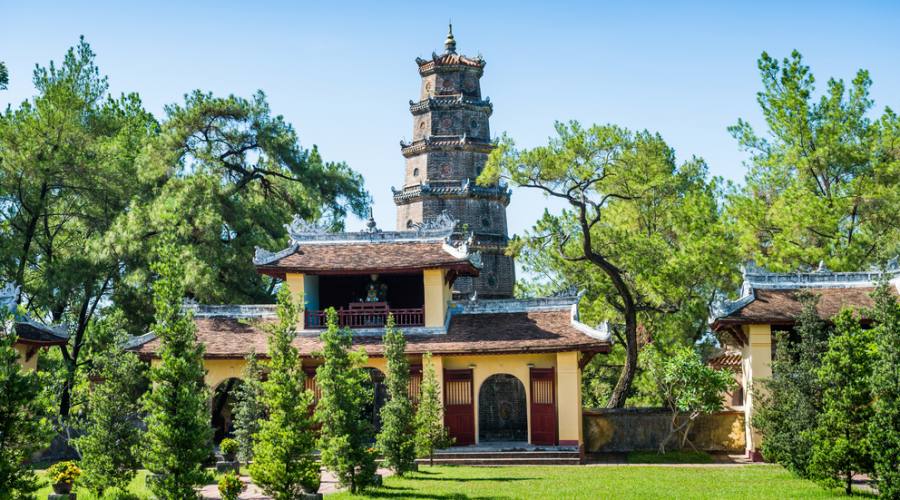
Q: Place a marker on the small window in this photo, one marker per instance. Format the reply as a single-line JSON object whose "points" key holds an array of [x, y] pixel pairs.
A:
{"points": [[415, 172], [409, 224], [473, 124], [737, 396], [485, 222]]}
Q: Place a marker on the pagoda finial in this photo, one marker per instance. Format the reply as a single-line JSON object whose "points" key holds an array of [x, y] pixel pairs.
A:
{"points": [[450, 42]]}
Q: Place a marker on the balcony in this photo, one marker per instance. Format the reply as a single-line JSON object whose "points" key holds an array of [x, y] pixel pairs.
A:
{"points": [[366, 315]]}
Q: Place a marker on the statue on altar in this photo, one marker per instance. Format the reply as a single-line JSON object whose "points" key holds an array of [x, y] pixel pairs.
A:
{"points": [[376, 291]]}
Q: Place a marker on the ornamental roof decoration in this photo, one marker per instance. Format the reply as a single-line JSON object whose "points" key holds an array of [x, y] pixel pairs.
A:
{"points": [[758, 278], [449, 57], [463, 188], [450, 102], [445, 142]]}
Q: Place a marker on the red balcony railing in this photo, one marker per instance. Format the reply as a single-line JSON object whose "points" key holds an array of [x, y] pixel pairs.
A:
{"points": [[366, 315]]}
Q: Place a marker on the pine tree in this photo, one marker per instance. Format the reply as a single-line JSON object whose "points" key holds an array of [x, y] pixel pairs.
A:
{"points": [[347, 435], [24, 424], [396, 441], [109, 447], [884, 430], [431, 434], [283, 462], [179, 431], [841, 446], [789, 403], [249, 409]]}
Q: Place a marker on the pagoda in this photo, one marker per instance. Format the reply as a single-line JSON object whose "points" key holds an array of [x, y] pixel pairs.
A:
{"points": [[450, 145]]}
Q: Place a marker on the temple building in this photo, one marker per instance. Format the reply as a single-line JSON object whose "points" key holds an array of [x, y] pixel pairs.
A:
{"points": [[510, 369], [769, 304], [31, 336]]}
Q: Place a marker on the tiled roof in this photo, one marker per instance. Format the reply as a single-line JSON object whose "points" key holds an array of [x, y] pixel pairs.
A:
{"points": [[782, 306], [364, 257], [729, 360], [491, 333], [30, 332]]}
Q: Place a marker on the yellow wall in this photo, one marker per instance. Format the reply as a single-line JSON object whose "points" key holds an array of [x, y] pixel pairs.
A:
{"points": [[757, 364], [437, 294], [22, 351], [295, 285], [568, 401]]}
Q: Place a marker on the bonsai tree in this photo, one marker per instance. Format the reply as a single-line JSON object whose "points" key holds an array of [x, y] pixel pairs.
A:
{"points": [[347, 434], [229, 448], [179, 433], [689, 388], [283, 462], [110, 445], [396, 441], [24, 426], [249, 409], [431, 434]]}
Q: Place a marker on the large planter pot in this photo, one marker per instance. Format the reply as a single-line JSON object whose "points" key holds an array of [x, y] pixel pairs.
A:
{"points": [[62, 488]]}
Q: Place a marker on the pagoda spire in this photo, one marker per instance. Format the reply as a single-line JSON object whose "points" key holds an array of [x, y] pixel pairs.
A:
{"points": [[450, 42]]}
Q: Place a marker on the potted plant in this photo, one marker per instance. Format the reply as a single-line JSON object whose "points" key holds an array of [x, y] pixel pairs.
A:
{"points": [[230, 486], [229, 448], [63, 475]]}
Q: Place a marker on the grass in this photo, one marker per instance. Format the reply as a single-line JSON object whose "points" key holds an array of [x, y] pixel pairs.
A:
{"points": [[138, 486], [672, 457], [756, 482]]}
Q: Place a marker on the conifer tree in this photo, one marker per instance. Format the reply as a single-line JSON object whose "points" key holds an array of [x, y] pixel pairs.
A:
{"points": [[24, 424], [884, 430], [109, 447], [347, 435], [283, 462], [179, 431], [396, 441], [431, 434], [788, 404], [249, 409], [841, 442]]}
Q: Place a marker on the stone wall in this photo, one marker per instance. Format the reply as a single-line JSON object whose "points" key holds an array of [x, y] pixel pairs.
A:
{"points": [[641, 429]]}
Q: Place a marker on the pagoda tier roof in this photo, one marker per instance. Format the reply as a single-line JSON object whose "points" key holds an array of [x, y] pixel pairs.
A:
{"points": [[773, 298], [438, 142], [314, 250], [448, 62], [456, 101], [474, 327], [465, 188]]}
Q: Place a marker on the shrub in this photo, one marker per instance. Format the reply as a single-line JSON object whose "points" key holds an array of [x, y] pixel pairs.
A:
{"points": [[63, 472], [249, 409], [431, 434], [229, 448], [230, 486], [396, 440], [884, 429]]}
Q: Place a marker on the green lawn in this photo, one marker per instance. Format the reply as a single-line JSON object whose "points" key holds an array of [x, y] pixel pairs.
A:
{"points": [[756, 482], [672, 457]]}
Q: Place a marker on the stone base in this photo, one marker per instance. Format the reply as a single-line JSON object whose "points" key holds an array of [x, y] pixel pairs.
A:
{"points": [[227, 466], [61, 496], [377, 480]]}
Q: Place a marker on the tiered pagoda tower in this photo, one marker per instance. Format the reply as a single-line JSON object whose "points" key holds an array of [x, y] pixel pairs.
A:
{"points": [[450, 145]]}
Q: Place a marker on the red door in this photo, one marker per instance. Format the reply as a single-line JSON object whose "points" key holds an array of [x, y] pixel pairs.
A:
{"points": [[543, 406], [459, 407]]}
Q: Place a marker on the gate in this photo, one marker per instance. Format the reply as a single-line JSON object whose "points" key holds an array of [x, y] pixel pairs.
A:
{"points": [[459, 407], [543, 406]]}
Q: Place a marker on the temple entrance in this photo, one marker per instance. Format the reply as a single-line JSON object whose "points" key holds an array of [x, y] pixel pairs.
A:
{"points": [[222, 408], [380, 396], [502, 412]]}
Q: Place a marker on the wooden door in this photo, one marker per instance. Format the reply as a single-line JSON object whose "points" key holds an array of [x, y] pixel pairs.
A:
{"points": [[459, 406], [543, 406]]}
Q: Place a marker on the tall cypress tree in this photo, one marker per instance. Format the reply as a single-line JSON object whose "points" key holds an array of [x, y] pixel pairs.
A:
{"points": [[179, 430], [431, 434], [789, 403], [283, 462], [249, 408], [841, 440], [396, 441], [347, 435], [884, 430]]}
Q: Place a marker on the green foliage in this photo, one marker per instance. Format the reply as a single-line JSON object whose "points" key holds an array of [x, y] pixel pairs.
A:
{"points": [[430, 431], [396, 441], [283, 462], [788, 404], [688, 386], [4, 76], [110, 445], [841, 443], [248, 409], [24, 426], [230, 486], [179, 433], [229, 447], [884, 430], [347, 435], [822, 180], [643, 236], [63, 472]]}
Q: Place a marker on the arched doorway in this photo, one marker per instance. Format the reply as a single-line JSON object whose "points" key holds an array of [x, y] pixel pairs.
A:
{"points": [[224, 397], [502, 412], [380, 396]]}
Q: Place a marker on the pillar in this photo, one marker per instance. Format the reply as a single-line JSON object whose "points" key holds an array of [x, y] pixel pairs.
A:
{"points": [[757, 364], [568, 399]]}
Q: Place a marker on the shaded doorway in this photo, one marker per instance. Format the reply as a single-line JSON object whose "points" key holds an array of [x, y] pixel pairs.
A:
{"points": [[502, 410], [379, 397], [223, 401]]}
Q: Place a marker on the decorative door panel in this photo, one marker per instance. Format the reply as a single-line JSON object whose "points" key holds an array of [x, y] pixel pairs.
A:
{"points": [[543, 406], [459, 406]]}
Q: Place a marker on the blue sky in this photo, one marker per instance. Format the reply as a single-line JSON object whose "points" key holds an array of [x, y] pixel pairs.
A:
{"points": [[343, 73]]}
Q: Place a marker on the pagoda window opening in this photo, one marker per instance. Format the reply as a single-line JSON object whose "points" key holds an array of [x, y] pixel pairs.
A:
{"points": [[365, 300]]}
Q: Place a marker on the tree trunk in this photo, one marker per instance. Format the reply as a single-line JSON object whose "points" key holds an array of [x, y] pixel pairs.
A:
{"points": [[623, 385], [849, 489]]}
